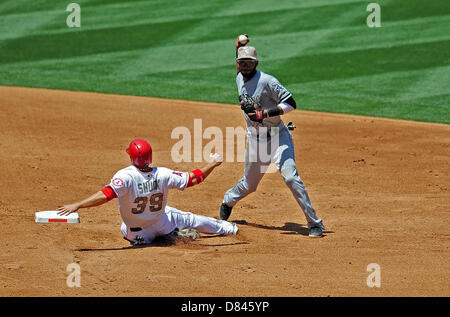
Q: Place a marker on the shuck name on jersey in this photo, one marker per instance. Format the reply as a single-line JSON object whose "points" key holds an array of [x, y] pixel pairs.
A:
{"points": [[148, 186]]}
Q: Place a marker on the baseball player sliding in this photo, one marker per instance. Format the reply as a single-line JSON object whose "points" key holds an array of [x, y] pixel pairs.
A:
{"points": [[263, 100], [142, 193]]}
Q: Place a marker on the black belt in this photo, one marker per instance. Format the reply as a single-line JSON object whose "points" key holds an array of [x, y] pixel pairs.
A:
{"points": [[136, 229]]}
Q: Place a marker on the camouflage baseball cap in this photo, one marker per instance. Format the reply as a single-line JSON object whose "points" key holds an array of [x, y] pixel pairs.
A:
{"points": [[247, 52]]}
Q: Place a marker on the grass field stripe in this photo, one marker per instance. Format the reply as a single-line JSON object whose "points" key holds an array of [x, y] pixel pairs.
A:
{"points": [[287, 40], [8, 5], [212, 59], [102, 17], [126, 54], [19, 25], [222, 50], [140, 63], [429, 82], [383, 84], [163, 50], [170, 59], [261, 6], [288, 44], [158, 12], [364, 62]]}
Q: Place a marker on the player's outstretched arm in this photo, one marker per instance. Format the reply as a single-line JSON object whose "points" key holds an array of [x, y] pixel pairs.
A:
{"points": [[99, 198], [197, 176]]}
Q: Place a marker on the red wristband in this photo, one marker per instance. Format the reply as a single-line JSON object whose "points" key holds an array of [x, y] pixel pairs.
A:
{"points": [[199, 175], [109, 193], [259, 114]]}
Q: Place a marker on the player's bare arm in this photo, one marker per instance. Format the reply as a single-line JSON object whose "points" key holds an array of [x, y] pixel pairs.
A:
{"points": [[97, 199]]}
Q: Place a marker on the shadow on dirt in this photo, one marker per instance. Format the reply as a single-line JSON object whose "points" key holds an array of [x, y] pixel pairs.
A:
{"points": [[166, 241], [162, 241], [288, 228]]}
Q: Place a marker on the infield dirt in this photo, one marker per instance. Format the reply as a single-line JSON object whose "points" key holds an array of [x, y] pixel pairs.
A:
{"points": [[381, 187]]}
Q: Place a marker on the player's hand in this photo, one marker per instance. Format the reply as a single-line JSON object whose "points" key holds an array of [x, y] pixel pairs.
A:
{"points": [[250, 114], [216, 159], [67, 209], [239, 44], [258, 115]]}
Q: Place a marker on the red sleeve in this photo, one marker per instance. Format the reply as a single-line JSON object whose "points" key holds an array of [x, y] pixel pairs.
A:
{"points": [[109, 192], [190, 183]]}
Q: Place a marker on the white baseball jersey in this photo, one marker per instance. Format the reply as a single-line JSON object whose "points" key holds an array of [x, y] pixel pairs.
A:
{"points": [[143, 195]]}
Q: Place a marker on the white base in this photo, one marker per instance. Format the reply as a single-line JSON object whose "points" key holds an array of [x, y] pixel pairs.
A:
{"points": [[52, 216]]}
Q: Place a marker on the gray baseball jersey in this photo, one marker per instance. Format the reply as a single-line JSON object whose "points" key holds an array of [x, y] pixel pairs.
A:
{"points": [[268, 91]]}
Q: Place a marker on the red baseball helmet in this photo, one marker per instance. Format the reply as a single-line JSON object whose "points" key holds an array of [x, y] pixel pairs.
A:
{"points": [[140, 152]]}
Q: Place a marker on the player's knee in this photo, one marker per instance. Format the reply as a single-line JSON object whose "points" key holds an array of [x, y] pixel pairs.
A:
{"points": [[250, 188], [247, 187], [192, 221], [292, 180]]}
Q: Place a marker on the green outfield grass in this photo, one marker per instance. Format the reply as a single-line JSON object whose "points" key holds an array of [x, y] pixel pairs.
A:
{"points": [[321, 50]]}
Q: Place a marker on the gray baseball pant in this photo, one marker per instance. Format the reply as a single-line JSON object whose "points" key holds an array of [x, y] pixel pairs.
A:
{"points": [[284, 159]]}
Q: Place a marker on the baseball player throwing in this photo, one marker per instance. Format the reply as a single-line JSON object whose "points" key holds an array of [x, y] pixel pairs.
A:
{"points": [[263, 100], [142, 193]]}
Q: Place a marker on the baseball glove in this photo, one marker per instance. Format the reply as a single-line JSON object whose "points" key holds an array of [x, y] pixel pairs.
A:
{"points": [[251, 107]]}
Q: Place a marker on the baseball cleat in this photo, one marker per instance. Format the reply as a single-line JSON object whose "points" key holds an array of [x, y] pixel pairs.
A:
{"points": [[190, 233], [225, 211], [315, 232], [139, 241], [235, 228]]}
